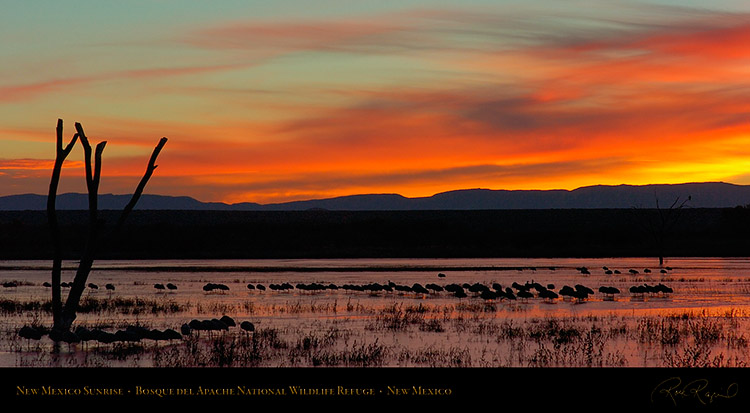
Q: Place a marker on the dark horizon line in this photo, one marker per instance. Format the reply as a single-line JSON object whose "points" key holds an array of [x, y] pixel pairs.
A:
{"points": [[400, 195]]}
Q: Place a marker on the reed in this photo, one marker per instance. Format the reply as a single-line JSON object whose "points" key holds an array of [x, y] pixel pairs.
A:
{"points": [[370, 332]]}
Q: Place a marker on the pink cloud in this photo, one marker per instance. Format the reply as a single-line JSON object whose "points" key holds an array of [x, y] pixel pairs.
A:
{"points": [[16, 93]]}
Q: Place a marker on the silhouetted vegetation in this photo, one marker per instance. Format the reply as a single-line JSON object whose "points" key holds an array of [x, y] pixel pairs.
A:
{"points": [[64, 315], [312, 234], [659, 226]]}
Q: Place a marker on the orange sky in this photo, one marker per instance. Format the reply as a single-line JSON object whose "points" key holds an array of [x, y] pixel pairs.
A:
{"points": [[275, 104]]}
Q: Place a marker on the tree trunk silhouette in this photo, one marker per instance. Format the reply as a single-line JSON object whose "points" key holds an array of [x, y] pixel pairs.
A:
{"points": [[61, 154], [665, 222], [63, 317]]}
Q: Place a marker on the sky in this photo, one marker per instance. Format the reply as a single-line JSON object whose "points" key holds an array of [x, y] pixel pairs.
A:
{"points": [[290, 100]]}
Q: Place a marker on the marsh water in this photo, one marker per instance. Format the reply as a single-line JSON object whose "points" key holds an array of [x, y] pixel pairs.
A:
{"points": [[703, 287]]}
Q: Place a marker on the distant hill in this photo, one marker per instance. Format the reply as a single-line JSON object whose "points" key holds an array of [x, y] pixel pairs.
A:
{"points": [[703, 195], [72, 201]]}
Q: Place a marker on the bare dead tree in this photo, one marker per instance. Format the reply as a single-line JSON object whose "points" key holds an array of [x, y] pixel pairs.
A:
{"points": [[61, 154], [64, 316], [660, 228], [141, 185]]}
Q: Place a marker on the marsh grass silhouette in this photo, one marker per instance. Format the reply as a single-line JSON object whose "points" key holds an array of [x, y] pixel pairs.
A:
{"points": [[401, 334]]}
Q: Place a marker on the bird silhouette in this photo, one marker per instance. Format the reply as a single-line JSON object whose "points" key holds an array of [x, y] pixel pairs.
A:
{"points": [[582, 293], [419, 289], [663, 289], [525, 295], [30, 333], [585, 289], [212, 286], [126, 336], [104, 337], [84, 334], [228, 321], [170, 334], [638, 290], [609, 292], [548, 296], [247, 326], [478, 288], [69, 338], [567, 291], [651, 289], [488, 295], [520, 287]]}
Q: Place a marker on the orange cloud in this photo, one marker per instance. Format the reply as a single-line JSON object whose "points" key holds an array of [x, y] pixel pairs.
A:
{"points": [[35, 164], [509, 102]]}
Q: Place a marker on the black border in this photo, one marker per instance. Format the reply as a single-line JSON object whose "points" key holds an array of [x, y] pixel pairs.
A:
{"points": [[543, 388]]}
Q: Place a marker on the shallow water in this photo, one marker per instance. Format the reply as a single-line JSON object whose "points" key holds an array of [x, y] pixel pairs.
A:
{"points": [[708, 286], [698, 282]]}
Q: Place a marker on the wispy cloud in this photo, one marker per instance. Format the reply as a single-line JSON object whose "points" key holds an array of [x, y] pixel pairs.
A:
{"points": [[15, 93], [35, 164], [533, 95]]}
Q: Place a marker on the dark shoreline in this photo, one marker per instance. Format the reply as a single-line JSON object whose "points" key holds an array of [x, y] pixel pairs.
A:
{"points": [[246, 269], [589, 233]]}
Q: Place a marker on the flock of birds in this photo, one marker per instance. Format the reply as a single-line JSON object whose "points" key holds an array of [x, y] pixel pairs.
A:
{"points": [[607, 271], [494, 292], [134, 333], [516, 291], [108, 287]]}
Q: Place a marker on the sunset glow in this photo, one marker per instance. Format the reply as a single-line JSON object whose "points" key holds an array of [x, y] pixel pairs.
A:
{"points": [[275, 101]]}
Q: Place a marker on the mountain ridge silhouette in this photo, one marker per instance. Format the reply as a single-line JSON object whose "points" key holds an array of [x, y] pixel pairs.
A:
{"points": [[702, 194]]}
